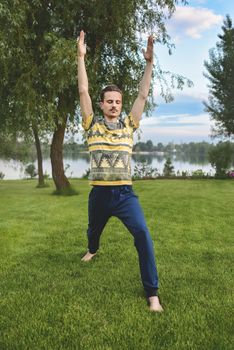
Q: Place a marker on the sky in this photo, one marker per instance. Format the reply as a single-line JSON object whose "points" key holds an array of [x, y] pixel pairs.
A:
{"points": [[193, 29]]}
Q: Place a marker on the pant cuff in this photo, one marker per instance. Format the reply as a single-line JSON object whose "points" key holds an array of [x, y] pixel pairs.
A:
{"points": [[151, 293], [92, 251]]}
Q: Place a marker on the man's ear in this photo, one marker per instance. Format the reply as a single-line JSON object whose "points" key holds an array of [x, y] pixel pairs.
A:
{"points": [[100, 104]]}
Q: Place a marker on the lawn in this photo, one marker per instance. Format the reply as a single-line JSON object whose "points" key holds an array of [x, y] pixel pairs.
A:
{"points": [[49, 299]]}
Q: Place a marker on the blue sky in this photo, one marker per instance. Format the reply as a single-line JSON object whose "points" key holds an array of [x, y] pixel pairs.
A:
{"points": [[194, 29]]}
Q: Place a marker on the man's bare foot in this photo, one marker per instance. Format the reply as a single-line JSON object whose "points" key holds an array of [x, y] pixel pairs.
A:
{"points": [[155, 304], [88, 256]]}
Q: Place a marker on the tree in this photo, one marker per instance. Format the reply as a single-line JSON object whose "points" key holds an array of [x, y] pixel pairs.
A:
{"points": [[220, 157], [221, 77], [31, 170], [168, 169], [149, 145], [160, 147], [23, 105], [144, 171], [40, 65]]}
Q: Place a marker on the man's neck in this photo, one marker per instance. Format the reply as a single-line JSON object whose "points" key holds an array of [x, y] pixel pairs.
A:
{"points": [[111, 120]]}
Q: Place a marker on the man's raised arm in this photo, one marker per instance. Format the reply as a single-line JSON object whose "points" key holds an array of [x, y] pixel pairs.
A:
{"points": [[83, 85], [139, 104]]}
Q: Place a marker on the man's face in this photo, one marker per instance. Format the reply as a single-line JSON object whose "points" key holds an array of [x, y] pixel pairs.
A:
{"points": [[112, 104]]}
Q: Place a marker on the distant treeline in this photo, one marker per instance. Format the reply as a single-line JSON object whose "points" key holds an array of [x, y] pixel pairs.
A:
{"points": [[192, 147]]}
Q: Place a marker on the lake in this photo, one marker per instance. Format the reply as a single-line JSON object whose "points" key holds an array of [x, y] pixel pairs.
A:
{"points": [[77, 165]]}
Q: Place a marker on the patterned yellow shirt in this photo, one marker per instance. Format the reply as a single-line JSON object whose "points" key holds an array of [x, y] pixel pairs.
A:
{"points": [[110, 148]]}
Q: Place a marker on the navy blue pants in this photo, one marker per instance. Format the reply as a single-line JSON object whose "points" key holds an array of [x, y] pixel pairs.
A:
{"points": [[121, 201]]}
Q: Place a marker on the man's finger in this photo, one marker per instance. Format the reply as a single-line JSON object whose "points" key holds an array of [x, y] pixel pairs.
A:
{"points": [[81, 37], [155, 37], [150, 40]]}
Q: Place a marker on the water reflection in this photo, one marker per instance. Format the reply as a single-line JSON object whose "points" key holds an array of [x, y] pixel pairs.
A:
{"points": [[192, 158], [147, 158], [76, 156], [188, 159]]}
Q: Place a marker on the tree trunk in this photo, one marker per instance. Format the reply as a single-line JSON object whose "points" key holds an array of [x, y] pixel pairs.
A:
{"points": [[41, 181], [56, 156]]}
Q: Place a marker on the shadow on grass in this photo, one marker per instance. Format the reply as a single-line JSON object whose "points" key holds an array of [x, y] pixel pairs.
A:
{"points": [[43, 186], [67, 191]]}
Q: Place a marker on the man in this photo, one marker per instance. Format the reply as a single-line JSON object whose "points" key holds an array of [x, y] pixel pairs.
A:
{"points": [[110, 141]]}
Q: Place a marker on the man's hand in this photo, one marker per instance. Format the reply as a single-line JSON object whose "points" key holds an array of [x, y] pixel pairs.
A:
{"points": [[81, 46], [139, 104], [83, 84], [149, 53]]}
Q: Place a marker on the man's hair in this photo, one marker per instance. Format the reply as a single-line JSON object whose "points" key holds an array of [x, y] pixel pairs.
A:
{"points": [[109, 88]]}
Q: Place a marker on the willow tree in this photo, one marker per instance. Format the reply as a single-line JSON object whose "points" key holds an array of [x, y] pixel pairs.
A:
{"points": [[24, 109], [114, 40], [220, 73]]}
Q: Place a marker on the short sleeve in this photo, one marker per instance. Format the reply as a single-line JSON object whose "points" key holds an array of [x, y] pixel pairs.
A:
{"points": [[87, 122], [131, 123]]}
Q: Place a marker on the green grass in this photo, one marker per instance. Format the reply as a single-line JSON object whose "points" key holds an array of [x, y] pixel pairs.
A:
{"points": [[49, 299]]}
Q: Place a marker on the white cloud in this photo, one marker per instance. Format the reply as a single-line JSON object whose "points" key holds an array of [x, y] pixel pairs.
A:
{"points": [[200, 1], [165, 121], [185, 94], [192, 93], [192, 22], [172, 132]]}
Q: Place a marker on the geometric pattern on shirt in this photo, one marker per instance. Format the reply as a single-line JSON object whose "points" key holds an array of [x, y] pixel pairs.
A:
{"points": [[110, 159]]}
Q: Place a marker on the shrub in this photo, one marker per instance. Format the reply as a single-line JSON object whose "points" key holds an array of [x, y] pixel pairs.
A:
{"points": [[86, 174], [199, 174], [185, 173], [46, 176], [144, 171], [31, 170], [220, 158], [168, 169], [2, 175]]}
